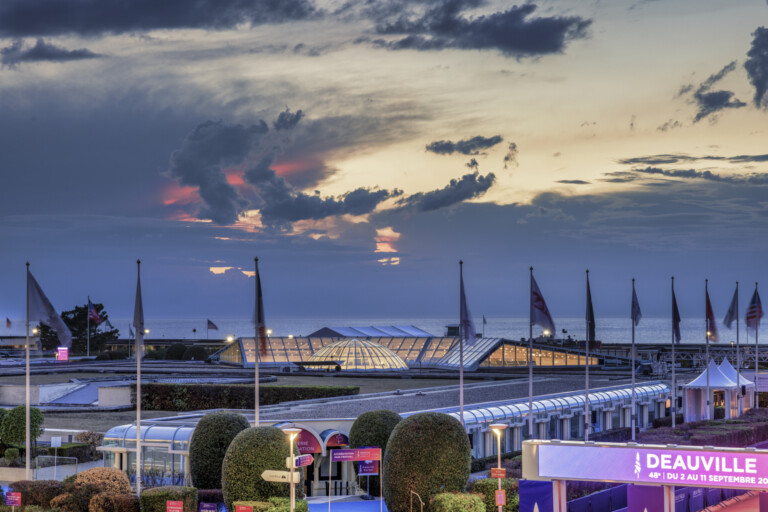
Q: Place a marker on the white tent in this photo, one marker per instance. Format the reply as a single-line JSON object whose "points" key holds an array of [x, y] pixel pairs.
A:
{"points": [[695, 400], [749, 386]]}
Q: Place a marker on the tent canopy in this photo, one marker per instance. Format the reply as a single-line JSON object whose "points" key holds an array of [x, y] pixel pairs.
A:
{"points": [[717, 379], [730, 372]]}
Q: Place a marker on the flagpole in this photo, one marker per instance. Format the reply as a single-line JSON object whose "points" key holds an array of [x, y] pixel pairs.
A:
{"points": [[256, 345], [674, 384], [139, 351], [530, 363], [706, 335], [462, 330], [632, 321], [739, 396], [757, 355], [28, 442], [587, 416]]}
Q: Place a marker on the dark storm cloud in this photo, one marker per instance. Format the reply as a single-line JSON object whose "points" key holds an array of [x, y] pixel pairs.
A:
{"points": [[467, 187], [287, 120], [19, 18], [18, 53], [514, 32], [204, 155], [710, 102], [673, 158], [511, 157], [757, 66], [471, 146], [573, 182]]}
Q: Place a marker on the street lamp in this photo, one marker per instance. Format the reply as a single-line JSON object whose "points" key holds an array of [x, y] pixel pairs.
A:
{"points": [[146, 331], [269, 332], [546, 333], [498, 429], [292, 433], [230, 338]]}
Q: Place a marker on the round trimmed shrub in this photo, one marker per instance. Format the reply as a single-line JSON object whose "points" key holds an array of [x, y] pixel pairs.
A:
{"points": [[209, 444], [108, 502], [372, 428], [11, 455], [457, 502], [14, 423], [427, 453], [175, 352], [252, 452], [110, 480], [195, 353]]}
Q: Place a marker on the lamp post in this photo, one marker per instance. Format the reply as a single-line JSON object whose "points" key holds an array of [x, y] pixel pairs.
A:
{"points": [[292, 433], [498, 429]]}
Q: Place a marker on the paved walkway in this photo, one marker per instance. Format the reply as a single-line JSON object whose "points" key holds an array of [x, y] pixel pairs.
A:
{"points": [[345, 504]]}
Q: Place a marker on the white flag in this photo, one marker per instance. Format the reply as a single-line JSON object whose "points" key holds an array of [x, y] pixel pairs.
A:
{"points": [[539, 312], [41, 310]]}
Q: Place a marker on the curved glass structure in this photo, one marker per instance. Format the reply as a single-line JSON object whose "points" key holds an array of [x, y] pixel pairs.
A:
{"points": [[359, 355]]}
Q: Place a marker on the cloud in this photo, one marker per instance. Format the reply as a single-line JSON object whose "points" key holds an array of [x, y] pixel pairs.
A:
{"points": [[710, 102], [674, 158], [669, 125], [18, 53], [757, 66], [471, 146], [742, 179], [514, 32], [511, 157], [467, 187], [287, 120], [574, 182], [20, 18]]}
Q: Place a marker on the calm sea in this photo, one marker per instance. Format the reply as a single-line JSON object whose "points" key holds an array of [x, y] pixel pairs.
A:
{"points": [[609, 330]]}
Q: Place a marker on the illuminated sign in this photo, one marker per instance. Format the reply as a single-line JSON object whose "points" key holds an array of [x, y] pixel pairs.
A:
{"points": [[356, 454], [307, 443], [739, 469], [62, 354]]}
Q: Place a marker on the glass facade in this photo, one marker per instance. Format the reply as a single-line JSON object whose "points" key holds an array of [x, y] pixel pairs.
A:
{"points": [[510, 355], [359, 355]]}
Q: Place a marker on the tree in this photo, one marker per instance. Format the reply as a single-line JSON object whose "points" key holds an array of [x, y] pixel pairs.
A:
{"points": [[210, 440], [13, 426], [373, 428], [77, 321]]}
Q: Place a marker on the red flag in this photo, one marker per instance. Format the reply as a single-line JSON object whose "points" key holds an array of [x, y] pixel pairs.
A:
{"points": [[711, 323]]}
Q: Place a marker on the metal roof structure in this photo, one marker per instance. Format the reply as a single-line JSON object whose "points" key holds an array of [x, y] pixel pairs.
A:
{"points": [[360, 355], [372, 331]]}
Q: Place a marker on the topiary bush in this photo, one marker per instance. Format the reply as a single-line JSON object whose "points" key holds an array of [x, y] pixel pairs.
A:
{"points": [[76, 497], [153, 500], [372, 428], [456, 502], [209, 444], [175, 352], [11, 455], [427, 453], [108, 502], [14, 423], [195, 353], [38, 493], [251, 452], [110, 480], [487, 487]]}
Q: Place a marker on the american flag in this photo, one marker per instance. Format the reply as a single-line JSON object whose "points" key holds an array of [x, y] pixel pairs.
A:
{"points": [[754, 311], [93, 314]]}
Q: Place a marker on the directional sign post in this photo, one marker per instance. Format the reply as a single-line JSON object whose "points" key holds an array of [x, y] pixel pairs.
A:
{"points": [[280, 476], [300, 461]]}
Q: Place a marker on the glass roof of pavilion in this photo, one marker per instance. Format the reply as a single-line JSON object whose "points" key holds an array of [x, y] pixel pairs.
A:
{"points": [[359, 355]]}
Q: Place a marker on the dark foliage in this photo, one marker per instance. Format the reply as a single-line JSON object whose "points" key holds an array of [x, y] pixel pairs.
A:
{"points": [[373, 428], [175, 352], [209, 444], [77, 322], [110, 502], [39, 492], [153, 500], [487, 488], [195, 353]]}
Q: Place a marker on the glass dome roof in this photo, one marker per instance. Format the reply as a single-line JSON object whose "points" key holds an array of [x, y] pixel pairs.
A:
{"points": [[360, 355]]}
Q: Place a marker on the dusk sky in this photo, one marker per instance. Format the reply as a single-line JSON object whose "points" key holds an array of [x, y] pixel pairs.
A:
{"points": [[360, 148]]}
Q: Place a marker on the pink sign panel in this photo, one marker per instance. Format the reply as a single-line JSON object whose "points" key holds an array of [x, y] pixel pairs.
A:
{"points": [[13, 499], [62, 354], [661, 466], [356, 454], [307, 443]]}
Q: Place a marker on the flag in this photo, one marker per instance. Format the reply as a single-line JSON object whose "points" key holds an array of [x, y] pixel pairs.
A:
{"points": [[138, 308], [754, 311], [675, 318], [109, 324], [590, 315], [7, 323], [41, 310], [485, 322], [539, 312], [733, 311], [93, 314], [711, 323], [466, 325], [211, 326], [131, 334], [636, 313], [259, 316]]}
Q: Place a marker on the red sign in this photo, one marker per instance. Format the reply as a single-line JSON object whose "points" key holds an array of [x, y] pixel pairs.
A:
{"points": [[13, 499], [174, 506], [308, 443], [337, 440], [498, 473], [501, 498], [243, 508], [356, 454]]}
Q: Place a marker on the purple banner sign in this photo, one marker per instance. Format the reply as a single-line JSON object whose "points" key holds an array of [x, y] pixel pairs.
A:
{"points": [[368, 468], [207, 507], [661, 466], [13, 499], [356, 454]]}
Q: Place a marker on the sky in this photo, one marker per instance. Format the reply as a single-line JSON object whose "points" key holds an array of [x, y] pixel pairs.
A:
{"points": [[361, 148]]}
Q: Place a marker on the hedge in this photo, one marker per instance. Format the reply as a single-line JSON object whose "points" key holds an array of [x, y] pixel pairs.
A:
{"points": [[109, 502], [153, 500], [427, 453], [275, 505], [76, 497], [487, 487], [83, 452], [750, 428], [252, 452], [175, 352], [110, 480], [372, 428], [39, 492], [456, 502], [209, 443], [193, 397]]}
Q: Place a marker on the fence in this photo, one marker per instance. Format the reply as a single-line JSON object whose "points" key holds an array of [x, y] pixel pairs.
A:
{"points": [[54, 468]]}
